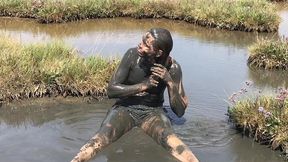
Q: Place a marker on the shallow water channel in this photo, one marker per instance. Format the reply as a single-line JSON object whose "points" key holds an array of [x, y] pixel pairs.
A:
{"points": [[213, 64]]}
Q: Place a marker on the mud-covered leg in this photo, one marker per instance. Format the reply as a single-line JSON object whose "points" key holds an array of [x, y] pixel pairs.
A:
{"points": [[91, 148], [179, 149], [117, 122], [159, 128]]}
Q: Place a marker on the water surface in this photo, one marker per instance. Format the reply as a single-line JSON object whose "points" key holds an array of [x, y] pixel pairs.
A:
{"points": [[213, 64]]}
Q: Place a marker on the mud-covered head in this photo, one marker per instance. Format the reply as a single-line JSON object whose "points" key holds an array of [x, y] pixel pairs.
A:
{"points": [[155, 47], [156, 42], [162, 40]]}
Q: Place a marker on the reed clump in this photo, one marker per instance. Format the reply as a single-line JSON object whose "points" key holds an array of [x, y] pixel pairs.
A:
{"points": [[52, 69], [269, 54], [244, 15], [264, 117]]}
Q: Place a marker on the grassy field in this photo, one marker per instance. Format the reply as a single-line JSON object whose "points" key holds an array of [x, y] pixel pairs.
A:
{"points": [[269, 54], [244, 15], [264, 117], [38, 70]]}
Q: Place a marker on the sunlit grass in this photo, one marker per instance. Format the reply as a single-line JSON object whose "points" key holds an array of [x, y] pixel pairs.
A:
{"points": [[245, 15], [50, 69], [269, 54], [265, 117]]}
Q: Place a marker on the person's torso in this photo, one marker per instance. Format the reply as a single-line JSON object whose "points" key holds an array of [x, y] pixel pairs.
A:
{"points": [[138, 72]]}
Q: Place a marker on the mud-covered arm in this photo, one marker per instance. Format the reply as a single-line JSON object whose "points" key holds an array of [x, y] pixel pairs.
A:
{"points": [[173, 79], [117, 88]]}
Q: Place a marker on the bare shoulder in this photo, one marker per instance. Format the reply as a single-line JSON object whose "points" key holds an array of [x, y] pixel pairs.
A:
{"points": [[129, 57], [131, 52]]}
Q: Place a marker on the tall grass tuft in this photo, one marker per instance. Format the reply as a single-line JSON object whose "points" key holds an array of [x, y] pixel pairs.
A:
{"points": [[269, 54], [51, 69], [244, 15], [264, 117]]}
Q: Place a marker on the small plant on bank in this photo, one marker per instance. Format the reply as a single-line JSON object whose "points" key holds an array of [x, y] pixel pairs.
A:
{"points": [[269, 54], [265, 117], [51, 69]]}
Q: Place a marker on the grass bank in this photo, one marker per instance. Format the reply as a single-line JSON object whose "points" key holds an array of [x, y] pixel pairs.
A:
{"points": [[264, 117], [244, 15], [269, 54], [52, 69]]}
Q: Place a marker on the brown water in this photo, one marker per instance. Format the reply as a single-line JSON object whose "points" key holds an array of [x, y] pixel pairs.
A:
{"points": [[213, 64]]}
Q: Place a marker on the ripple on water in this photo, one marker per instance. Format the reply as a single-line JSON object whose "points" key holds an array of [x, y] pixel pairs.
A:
{"points": [[205, 133]]}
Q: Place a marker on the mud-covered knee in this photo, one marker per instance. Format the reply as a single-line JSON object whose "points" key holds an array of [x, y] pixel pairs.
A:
{"points": [[176, 145], [180, 149], [164, 140], [98, 141]]}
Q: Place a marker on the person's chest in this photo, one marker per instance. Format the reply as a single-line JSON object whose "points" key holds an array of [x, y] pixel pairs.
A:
{"points": [[137, 74]]}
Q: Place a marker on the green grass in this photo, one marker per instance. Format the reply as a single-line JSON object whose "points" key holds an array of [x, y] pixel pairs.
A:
{"points": [[269, 54], [50, 69], [264, 117], [244, 15]]}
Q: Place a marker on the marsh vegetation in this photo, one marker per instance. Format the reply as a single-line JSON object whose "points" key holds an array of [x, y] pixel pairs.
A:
{"points": [[50, 69], [262, 116], [244, 15], [269, 54]]}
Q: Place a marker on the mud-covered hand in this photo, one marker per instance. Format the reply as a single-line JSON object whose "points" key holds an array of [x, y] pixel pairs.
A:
{"points": [[161, 72], [150, 82]]}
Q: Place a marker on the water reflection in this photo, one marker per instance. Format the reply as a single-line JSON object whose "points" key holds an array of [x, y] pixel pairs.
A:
{"points": [[37, 112], [283, 26], [268, 78], [101, 35], [243, 146]]}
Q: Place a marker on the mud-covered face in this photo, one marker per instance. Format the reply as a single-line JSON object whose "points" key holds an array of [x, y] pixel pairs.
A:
{"points": [[145, 47]]}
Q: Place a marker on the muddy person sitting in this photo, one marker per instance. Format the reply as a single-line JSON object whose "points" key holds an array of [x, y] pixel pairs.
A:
{"points": [[139, 83]]}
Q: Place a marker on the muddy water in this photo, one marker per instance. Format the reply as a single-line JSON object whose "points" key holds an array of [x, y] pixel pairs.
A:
{"points": [[213, 64]]}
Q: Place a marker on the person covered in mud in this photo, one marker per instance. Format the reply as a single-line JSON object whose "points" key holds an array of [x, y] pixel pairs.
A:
{"points": [[139, 84]]}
